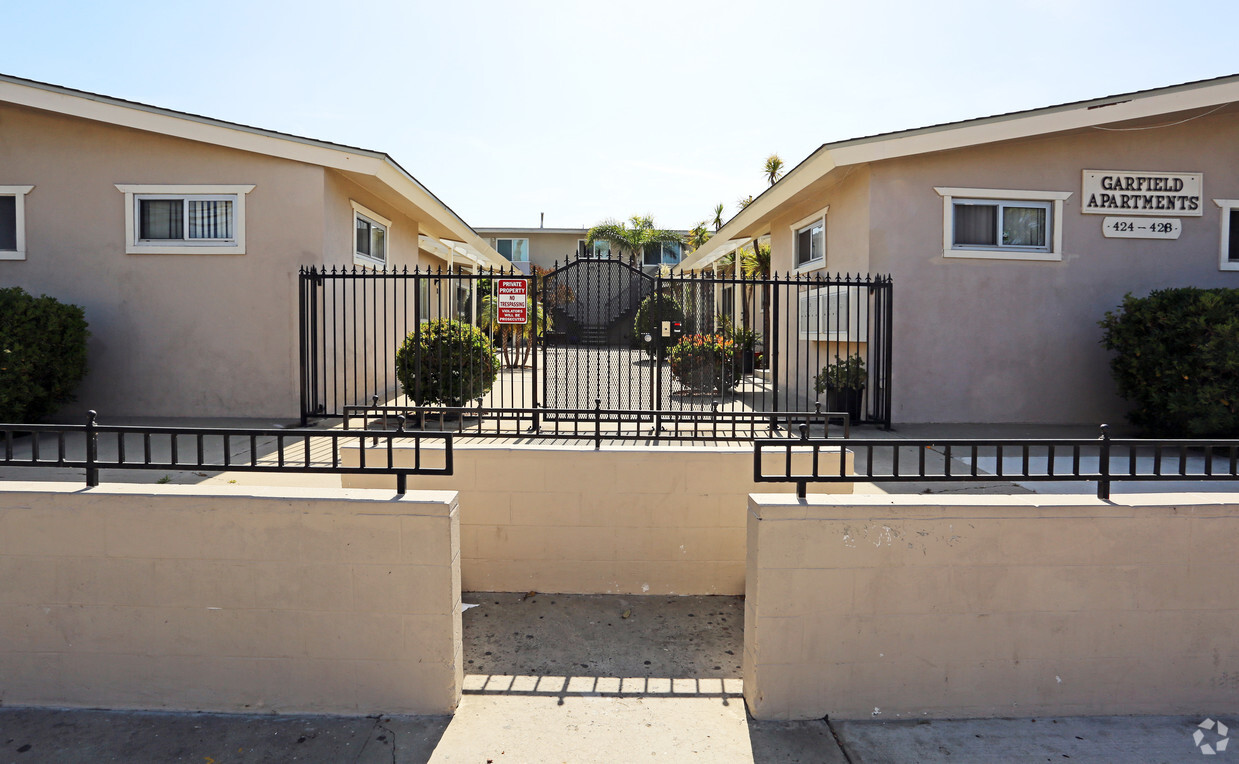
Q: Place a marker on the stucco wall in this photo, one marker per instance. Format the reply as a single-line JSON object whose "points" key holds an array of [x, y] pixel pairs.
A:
{"points": [[172, 335], [897, 607], [1008, 341], [180, 597], [568, 519], [339, 233]]}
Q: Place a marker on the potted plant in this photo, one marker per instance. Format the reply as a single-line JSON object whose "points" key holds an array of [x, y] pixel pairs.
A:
{"points": [[744, 339], [844, 382]]}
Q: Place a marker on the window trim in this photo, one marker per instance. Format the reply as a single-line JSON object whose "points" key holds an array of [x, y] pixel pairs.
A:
{"points": [[1224, 262], [949, 250], [19, 213], [585, 252], [809, 265], [513, 238], [374, 218], [133, 246], [662, 258]]}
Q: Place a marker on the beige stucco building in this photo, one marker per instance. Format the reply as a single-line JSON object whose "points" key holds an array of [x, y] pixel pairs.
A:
{"points": [[182, 237], [1009, 237], [548, 247]]}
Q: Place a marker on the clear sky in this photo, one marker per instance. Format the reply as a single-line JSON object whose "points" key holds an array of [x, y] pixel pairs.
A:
{"points": [[587, 110]]}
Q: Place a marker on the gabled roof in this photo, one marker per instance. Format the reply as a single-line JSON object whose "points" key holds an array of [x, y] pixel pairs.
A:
{"points": [[754, 219], [374, 170]]}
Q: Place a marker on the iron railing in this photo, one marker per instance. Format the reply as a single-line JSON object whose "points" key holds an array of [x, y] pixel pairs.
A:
{"points": [[1103, 460], [94, 447], [599, 424], [352, 320]]}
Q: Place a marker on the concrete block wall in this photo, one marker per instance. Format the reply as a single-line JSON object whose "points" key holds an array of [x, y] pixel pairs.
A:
{"points": [[620, 520], [896, 607], [253, 599]]}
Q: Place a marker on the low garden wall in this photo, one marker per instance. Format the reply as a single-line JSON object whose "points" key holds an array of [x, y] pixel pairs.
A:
{"points": [[205, 598], [621, 520], [891, 607]]}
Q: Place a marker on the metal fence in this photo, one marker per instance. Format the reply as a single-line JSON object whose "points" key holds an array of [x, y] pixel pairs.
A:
{"points": [[1103, 460], [598, 424], [608, 331], [94, 447]]}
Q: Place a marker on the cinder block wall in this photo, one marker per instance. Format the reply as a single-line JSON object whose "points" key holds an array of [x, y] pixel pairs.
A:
{"points": [[895, 607], [620, 520], [195, 598]]}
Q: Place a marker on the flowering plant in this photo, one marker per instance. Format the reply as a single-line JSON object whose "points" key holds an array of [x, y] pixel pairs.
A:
{"points": [[706, 362]]}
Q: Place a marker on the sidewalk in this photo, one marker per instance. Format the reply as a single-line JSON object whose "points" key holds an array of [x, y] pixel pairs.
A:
{"points": [[601, 731], [582, 678]]}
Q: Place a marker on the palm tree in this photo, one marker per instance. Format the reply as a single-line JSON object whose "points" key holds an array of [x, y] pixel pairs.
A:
{"points": [[746, 201], [718, 216], [755, 264], [635, 239], [699, 235], [773, 169]]}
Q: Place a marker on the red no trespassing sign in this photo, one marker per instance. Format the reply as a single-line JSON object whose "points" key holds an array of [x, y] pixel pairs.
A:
{"points": [[512, 300]]}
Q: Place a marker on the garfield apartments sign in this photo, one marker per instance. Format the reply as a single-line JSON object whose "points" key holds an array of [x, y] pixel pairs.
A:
{"points": [[1119, 192]]}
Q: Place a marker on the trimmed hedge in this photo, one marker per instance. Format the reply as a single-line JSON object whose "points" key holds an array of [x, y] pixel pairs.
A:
{"points": [[42, 354], [1177, 360], [456, 364]]}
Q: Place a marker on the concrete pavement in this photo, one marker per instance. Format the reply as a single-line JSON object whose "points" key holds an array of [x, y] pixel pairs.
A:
{"points": [[573, 678]]}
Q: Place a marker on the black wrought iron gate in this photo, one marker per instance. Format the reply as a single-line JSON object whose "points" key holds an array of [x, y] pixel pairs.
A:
{"points": [[608, 333]]}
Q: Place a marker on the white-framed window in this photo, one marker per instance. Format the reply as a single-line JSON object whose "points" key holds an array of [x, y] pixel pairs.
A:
{"points": [[1002, 224], [601, 250], [834, 314], [13, 222], [370, 234], [516, 250], [809, 241], [184, 219], [1228, 257], [666, 253]]}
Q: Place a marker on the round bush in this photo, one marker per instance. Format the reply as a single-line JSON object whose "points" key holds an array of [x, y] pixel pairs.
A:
{"points": [[650, 314], [447, 363], [42, 354], [1177, 360], [706, 362]]}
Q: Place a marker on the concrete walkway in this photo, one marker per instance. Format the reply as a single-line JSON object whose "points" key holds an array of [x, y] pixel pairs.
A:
{"points": [[569, 678]]}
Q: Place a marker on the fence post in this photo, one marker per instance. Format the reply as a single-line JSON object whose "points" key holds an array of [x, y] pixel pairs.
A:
{"points": [[772, 340], [303, 348], [538, 340], [802, 486], [1103, 484], [597, 424], [92, 450]]}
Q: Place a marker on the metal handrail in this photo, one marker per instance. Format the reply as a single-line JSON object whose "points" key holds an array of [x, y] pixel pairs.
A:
{"points": [[321, 449], [1102, 460], [548, 423]]}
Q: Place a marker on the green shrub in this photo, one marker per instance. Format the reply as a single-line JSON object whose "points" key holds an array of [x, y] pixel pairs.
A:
{"points": [[446, 362], [653, 311], [42, 354], [706, 362], [842, 374], [1177, 360]]}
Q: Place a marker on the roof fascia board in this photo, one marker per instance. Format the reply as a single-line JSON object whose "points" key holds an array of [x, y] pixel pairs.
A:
{"points": [[205, 130], [760, 209], [1052, 120], [1094, 113], [199, 129]]}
